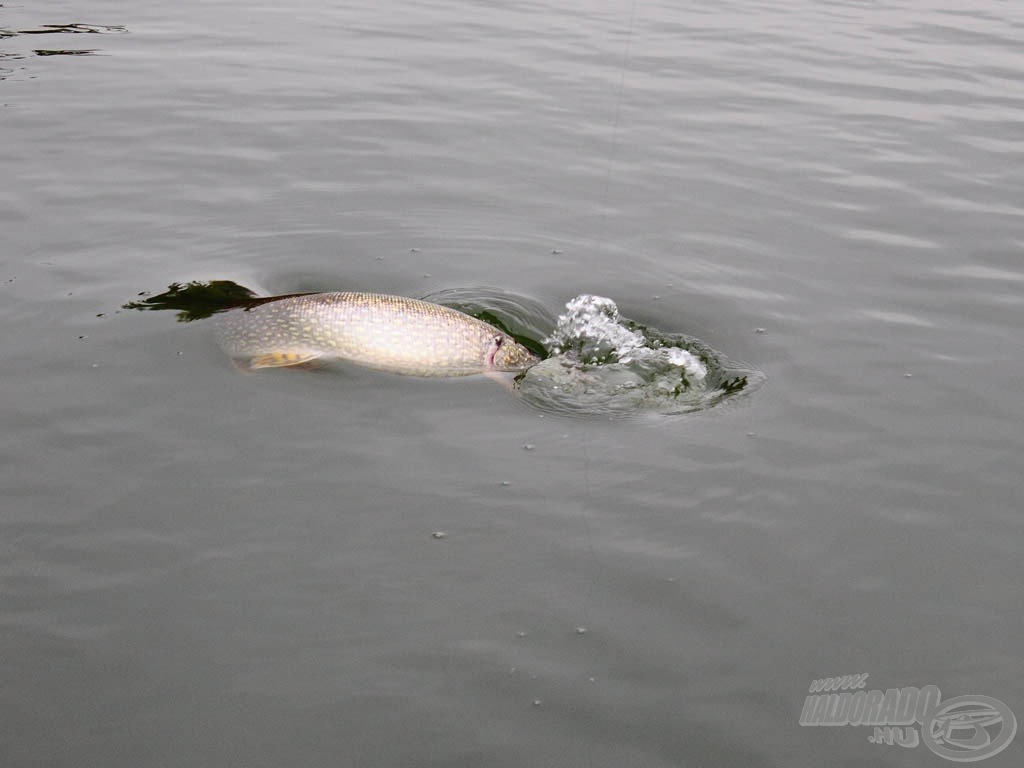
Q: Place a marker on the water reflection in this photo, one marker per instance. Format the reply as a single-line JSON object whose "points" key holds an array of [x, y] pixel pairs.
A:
{"points": [[6, 72], [68, 29], [65, 52], [9, 36]]}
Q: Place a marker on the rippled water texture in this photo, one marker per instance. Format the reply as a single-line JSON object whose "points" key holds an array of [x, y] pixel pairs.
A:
{"points": [[202, 567]]}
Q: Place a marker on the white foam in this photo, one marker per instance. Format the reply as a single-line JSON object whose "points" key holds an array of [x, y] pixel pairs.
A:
{"points": [[593, 323], [591, 326], [693, 365]]}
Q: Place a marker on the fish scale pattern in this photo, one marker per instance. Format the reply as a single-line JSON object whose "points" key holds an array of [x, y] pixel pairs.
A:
{"points": [[389, 333]]}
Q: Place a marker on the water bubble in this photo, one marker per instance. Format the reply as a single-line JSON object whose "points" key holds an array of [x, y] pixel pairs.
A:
{"points": [[439, 535], [529, 447]]}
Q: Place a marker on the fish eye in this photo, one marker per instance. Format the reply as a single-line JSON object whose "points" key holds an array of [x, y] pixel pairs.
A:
{"points": [[498, 341]]}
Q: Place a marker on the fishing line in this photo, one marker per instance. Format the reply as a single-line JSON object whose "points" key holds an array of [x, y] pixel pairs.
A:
{"points": [[614, 151], [587, 502]]}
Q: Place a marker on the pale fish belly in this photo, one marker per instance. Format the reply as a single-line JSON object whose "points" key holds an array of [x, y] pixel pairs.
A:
{"points": [[388, 333]]}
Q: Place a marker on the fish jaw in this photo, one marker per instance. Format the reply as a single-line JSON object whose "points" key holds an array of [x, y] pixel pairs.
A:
{"points": [[506, 354]]}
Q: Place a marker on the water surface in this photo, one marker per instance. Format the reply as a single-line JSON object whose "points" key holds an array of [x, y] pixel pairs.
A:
{"points": [[205, 568]]}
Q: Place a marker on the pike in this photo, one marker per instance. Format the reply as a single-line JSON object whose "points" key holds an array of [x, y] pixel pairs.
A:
{"points": [[387, 333]]}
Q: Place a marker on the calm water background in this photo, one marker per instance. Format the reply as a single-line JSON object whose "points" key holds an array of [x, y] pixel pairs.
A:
{"points": [[204, 568]]}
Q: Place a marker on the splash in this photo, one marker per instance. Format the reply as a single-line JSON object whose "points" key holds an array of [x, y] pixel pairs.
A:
{"points": [[601, 363], [592, 331]]}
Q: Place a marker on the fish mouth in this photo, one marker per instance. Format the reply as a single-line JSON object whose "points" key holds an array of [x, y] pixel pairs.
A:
{"points": [[513, 361], [506, 354]]}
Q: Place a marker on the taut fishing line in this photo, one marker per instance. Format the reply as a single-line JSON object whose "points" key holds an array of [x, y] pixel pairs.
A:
{"points": [[613, 152], [602, 233]]}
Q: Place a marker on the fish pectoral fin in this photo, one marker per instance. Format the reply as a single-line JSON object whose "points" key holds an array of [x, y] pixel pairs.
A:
{"points": [[510, 383], [276, 360]]}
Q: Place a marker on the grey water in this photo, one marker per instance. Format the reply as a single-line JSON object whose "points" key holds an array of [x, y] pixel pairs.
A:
{"points": [[203, 568]]}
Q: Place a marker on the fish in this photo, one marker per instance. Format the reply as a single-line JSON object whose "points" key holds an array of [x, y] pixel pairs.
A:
{"points": [[395, 334]]}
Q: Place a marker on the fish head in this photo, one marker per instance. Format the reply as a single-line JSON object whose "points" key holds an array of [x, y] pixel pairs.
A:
{"points": [[506, 354]]}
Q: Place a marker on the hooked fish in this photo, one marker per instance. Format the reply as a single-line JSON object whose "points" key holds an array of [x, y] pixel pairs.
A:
{"points": [[387, 333]]}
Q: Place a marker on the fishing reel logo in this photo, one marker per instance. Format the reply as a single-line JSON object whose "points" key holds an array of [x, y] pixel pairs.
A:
{"points": [[962, 729]]}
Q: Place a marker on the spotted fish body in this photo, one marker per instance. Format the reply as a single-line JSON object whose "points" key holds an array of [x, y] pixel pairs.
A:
{"points": [[387, 333]]}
